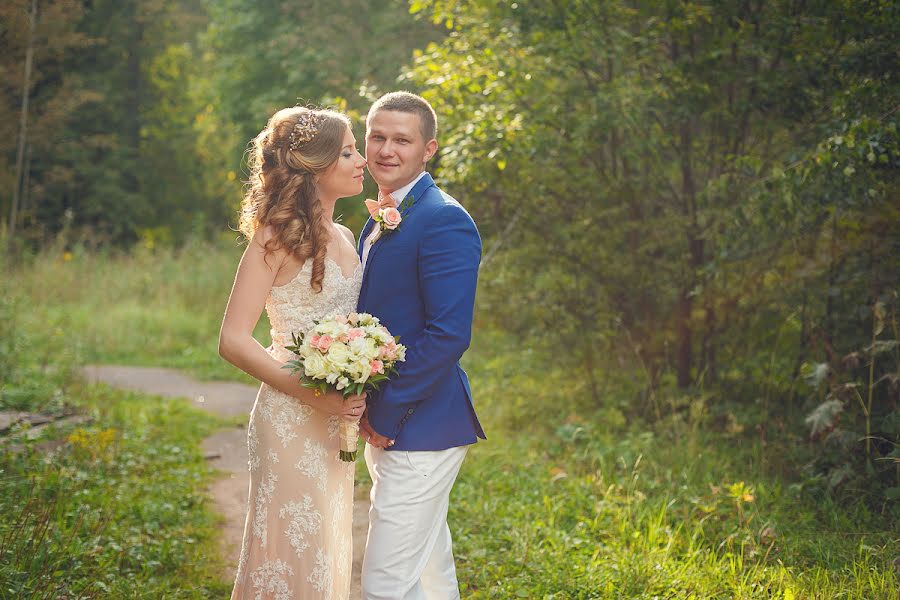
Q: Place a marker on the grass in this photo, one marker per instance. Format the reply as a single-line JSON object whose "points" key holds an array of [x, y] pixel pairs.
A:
{"points": [[149, 306], [563, 501], [566, 501], [116, 508], [536, 524]]}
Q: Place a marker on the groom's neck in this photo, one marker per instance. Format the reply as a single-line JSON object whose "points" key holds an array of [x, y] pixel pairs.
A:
{"points": [[384, 190]]}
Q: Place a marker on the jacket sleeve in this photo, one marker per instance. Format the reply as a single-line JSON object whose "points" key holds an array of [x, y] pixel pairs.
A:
{"points": [[449, 256]]}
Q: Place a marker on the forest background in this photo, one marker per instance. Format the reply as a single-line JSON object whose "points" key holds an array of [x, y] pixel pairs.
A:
{"points": [[689, 236]]}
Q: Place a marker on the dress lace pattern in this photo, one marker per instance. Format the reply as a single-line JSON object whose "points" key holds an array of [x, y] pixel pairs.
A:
{"points": [[297, 536]]}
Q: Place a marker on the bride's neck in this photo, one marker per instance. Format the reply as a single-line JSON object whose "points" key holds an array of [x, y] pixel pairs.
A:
{"points": [[328, 207]]}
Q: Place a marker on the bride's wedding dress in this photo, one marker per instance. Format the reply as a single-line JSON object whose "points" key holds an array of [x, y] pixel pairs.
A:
{"points": [[297, 537]]}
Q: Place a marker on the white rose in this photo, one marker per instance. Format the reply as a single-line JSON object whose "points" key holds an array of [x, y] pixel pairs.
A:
{"points": [[331, 329], [364, 348], [314, 366], [339, 355], [359, 371]]}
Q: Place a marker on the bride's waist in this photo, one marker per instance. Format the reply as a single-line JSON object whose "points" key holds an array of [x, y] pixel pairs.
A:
{"points": [[273, 404], [280, 342], [280, 354]]}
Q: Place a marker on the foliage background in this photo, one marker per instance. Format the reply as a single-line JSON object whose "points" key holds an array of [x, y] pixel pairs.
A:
{"points": [[686, 208]]}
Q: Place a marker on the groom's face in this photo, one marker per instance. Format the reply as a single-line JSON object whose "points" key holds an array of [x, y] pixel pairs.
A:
{"points": [[396, 150]]}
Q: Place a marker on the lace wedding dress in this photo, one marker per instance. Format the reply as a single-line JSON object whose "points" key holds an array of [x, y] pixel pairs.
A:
{"points": [[297, 537]]}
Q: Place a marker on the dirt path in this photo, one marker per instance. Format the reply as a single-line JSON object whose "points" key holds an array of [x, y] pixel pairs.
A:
{"points": [[227, 449]]}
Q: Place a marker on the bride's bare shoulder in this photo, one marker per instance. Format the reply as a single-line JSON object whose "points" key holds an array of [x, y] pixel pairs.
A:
{"points": [[275, 257], [346, 233]]}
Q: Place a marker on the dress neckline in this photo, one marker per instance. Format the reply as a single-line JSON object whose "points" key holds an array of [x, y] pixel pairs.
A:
{"points": [[328, 259]]}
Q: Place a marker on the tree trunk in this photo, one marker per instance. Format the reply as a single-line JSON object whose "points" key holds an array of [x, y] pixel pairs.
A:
{"points": [[23, 128], [590, 370], [832, 279], [709, 343], [684, 359], [25, 203], [133, 96], [683, 331]]}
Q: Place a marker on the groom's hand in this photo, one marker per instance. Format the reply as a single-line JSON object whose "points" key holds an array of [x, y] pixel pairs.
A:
{"points": [[372, 437]]}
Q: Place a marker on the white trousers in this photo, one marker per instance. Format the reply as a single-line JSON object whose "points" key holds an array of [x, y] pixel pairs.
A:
{"points": [[409, 552]]}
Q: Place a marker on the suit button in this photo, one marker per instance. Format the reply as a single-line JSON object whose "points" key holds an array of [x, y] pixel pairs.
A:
{"points": [[410, 411]]}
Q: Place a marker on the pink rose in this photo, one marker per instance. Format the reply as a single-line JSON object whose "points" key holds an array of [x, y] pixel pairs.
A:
{"points": [[390, 218], [388, 351], [377, 367], [324, 343], [354, 333]]}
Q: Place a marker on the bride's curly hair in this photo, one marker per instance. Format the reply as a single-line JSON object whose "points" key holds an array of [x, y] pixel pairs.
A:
{"points": [[297, 144]]}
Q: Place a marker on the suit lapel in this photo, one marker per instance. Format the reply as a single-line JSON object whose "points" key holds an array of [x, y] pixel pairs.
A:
{"points": [[416, 194], [367, 229]]}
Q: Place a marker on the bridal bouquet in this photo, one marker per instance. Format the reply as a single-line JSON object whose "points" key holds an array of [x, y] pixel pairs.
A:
{"points": [[352, 354]]}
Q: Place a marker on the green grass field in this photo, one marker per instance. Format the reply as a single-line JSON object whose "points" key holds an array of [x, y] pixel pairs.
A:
{"points": [[563, 501]]}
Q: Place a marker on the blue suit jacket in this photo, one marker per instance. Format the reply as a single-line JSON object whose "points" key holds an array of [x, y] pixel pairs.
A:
{"points": [[420, 281]]}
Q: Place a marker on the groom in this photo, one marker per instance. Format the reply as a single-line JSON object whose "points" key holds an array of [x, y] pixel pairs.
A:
{"points": [[419, 279]]}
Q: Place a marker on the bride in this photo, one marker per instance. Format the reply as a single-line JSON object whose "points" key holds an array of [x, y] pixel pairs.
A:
{"points": [[301, 266]]}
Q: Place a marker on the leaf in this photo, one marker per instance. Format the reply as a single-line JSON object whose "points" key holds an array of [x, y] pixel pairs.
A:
{"points": [[891, 378], [823, 416], [571, 432], [814, 374], [840, 475], [878, 316], [882, 346]]}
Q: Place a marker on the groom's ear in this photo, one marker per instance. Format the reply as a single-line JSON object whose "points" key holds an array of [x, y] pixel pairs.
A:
{"points": [[430, 148]]}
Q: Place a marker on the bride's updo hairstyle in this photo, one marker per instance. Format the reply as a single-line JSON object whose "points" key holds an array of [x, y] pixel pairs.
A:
{"points": [[285, 159]]}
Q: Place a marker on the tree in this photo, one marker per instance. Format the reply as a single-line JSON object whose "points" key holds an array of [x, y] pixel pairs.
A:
{"points": [[637, 146], [265, 56], [38, 94]]}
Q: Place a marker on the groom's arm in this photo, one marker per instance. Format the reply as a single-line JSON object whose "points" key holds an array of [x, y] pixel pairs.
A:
{"points": [[449, 255]]}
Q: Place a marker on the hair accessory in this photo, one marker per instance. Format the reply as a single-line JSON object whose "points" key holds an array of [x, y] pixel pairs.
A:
{"points": [[306, 129]]}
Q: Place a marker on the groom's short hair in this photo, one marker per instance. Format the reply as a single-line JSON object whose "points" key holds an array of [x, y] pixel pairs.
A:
{"points": [[408, 102]]}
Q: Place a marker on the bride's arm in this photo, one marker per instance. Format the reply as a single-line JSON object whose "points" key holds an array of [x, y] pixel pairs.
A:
{"points": [[255, 277]]}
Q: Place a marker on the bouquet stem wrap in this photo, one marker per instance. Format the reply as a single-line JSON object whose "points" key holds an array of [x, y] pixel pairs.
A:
{"points": [[351, 354], [348, 433]]}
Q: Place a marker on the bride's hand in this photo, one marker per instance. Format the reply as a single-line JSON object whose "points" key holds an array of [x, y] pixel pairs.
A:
{"points": [[350, 408]]}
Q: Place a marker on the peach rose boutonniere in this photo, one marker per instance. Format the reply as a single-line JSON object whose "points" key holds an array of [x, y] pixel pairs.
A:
{"points": [[387, 217]]}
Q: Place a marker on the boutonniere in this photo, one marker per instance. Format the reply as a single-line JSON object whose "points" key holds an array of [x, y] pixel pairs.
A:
{"points": [[386, 215]]}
